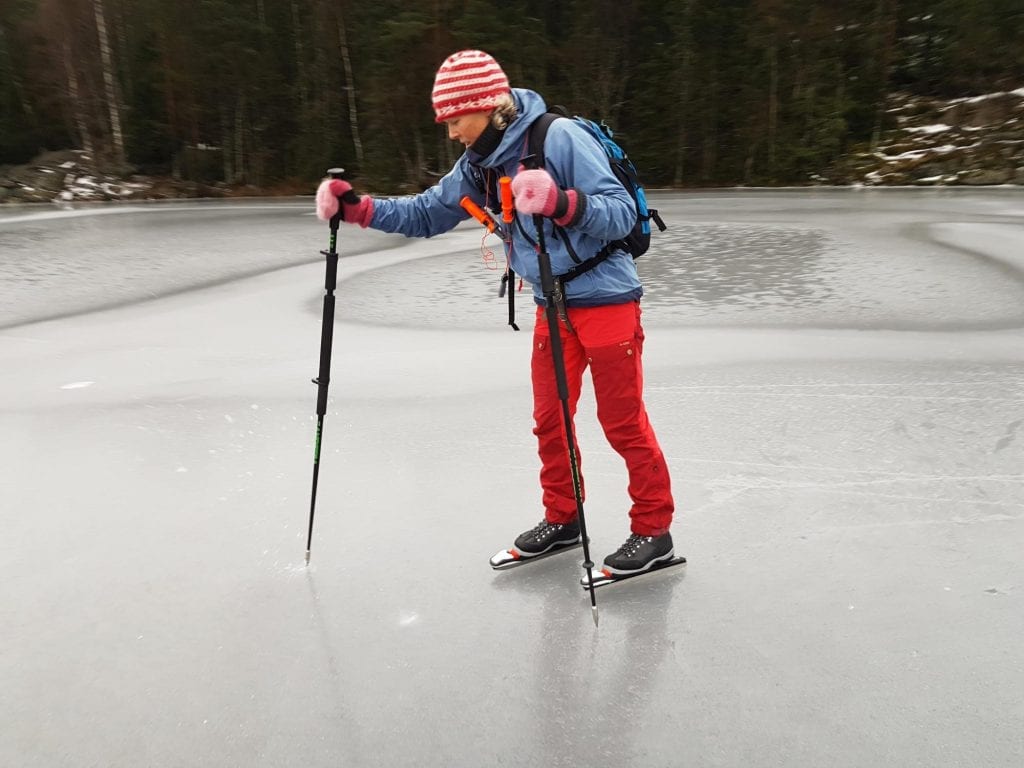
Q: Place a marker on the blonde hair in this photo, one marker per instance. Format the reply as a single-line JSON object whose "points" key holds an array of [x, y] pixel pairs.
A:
{"points": [[504, 112]]}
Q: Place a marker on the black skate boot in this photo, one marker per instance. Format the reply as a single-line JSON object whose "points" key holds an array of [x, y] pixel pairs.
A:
{"points": [[540, 541], [639, 554], [546, 536]]}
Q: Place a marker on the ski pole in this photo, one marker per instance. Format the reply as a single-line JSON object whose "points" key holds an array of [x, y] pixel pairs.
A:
{"points": [[547, 284], [323, 378], [508, 280]]}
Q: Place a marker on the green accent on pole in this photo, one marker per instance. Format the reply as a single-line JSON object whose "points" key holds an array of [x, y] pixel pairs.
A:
{"points": [[316, 450]]}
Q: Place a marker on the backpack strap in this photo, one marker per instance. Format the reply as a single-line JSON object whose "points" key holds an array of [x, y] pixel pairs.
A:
{"points": [[585, 266], [539, 132], [535, 159]]}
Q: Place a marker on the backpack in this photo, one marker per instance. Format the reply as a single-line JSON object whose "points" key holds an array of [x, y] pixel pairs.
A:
{"points": [[638, 241]]}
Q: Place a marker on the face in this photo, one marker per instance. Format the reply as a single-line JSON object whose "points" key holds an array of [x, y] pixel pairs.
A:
{"points": [[467, 128]]}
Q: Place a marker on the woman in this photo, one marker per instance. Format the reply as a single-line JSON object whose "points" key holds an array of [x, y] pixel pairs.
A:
{"points": [[577, 193]]}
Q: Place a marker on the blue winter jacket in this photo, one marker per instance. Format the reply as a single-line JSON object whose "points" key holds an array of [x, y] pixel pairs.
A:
{"points": [[575, 160]]}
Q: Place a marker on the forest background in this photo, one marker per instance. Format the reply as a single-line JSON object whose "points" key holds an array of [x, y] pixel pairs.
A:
{"points": [[262, 95]]}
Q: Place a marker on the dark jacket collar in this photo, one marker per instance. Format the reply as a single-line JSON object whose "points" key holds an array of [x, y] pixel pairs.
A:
{"points": [[487, 142]]}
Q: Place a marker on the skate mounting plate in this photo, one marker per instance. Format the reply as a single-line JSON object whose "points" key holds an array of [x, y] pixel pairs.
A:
{"points": [[603, 578], [510, 558]]}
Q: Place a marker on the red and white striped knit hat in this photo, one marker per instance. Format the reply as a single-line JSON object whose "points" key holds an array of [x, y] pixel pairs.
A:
{"points": [[468, 81]]}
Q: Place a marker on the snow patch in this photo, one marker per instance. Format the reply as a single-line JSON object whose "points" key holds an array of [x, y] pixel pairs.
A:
{"points": [[987, 96], [916, 154], [928, 129]]}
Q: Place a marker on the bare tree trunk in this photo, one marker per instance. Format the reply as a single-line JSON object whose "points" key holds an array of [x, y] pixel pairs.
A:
{"points": [[110, 84], [400, 141], [226, 155], [685, 75], [350, 89], [683, 137], [885, 33], [240, 171], [620, 75], [773, 101], [683, 133], [122, 42], [710, 148], [75, 102], [421, 160], [300, 67]]}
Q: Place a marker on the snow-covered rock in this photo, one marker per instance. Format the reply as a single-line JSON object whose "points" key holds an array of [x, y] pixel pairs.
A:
{"points": [[975, 140]]}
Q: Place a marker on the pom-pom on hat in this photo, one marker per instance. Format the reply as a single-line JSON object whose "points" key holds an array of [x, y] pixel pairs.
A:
{"points": [[468, 81]]}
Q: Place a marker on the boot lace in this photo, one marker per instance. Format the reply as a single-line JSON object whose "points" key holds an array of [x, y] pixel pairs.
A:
{"points": [[544, 528], [632, 544]]}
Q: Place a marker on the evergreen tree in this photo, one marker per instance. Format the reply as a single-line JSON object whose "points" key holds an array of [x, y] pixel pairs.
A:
{"points": [[701, 92]]}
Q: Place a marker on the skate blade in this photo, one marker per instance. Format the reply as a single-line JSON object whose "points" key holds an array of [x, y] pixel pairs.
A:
{"points": [[603, 578], [512, 558]]}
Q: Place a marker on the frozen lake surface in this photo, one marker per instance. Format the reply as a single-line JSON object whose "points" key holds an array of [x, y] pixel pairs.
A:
{"points": [[837, 380]]}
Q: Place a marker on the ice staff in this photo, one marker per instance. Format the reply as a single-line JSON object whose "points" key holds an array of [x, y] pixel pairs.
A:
{"points": [[554, 305], [323, 378]]}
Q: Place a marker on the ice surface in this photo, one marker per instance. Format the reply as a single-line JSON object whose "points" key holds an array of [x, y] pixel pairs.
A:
{"points": [[837, 379]]}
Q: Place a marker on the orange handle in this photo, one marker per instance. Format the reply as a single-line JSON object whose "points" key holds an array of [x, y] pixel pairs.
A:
{"points": [[505, 184], [477, 213]]}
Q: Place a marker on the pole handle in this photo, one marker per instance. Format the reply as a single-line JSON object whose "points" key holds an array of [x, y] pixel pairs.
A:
{"points": [[349, 197], [505, 185], [478, 213]]}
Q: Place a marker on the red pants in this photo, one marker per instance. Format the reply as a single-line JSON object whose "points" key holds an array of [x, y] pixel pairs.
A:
{"points": [[610, 340]]}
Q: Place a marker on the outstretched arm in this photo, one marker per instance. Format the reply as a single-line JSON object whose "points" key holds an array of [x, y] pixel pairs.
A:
{"points": [[429, 213]]}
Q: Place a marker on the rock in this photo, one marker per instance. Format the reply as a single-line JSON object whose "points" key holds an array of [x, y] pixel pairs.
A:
{"points": [[981, 111], [977, 140], [981, 176]]}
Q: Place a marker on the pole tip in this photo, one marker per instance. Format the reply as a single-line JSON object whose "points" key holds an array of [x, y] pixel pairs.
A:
{"points": [[593, 612], [307, 557]]}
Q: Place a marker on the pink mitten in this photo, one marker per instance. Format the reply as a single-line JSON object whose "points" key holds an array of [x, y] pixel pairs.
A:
{"points": [[354, 209], [326, 200], [535, 192]]}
